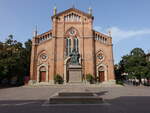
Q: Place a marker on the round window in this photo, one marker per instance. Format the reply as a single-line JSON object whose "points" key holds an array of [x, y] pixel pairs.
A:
{"points": [[72, 32], [100, 56], [43, 56]]}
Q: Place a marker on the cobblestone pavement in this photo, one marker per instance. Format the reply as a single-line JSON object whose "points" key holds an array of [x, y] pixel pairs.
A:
{"points": [[117, 99]]}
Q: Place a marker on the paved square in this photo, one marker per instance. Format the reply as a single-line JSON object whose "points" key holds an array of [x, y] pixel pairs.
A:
{"points": [[117, 99]]}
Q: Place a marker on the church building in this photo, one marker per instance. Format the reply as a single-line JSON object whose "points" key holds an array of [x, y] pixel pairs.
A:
{"points": [[72, 49]]}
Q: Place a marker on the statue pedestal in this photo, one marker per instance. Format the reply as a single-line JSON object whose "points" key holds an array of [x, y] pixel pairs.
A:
{"points": [[75, 74]]}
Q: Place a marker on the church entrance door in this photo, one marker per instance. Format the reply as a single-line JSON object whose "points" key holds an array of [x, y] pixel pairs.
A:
{"points": [[67, 77], [101, 76], [42, 76]]}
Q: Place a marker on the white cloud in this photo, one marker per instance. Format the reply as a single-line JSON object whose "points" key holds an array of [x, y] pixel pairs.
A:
{"points": [[120, 34], [98, 28]]}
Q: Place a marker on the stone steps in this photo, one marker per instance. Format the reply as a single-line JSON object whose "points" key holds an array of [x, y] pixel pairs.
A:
{"points": [[75, 98], [75, 94]]}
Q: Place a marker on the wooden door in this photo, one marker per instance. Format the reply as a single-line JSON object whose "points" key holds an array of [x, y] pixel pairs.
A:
{"points": [[42, 76], [101, 76], [67, 76]]}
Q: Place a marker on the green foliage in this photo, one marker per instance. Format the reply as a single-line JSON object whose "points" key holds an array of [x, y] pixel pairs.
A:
{"points": [[58, 79], [147, 71], [14, 59], [137, 52], [90, 78], [117, 72], [27, 56], [135, 64], [120, 82]]}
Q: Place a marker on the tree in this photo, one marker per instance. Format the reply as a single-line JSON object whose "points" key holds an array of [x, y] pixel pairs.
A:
{"points": [[134, 64], [14, 59], [27, 55], [147, 72], [117, 72]]}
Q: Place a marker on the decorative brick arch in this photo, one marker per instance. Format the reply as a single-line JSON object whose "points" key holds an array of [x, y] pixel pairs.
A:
{"points": [[67, 32], [98, 54], [41, 52]]}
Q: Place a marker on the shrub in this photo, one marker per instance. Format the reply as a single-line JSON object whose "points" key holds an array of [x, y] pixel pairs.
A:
{"points": [[58, 79], [120, 82], [90, 78]]}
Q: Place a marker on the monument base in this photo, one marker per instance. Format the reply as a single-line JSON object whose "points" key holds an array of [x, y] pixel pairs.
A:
{"points": [[75, 74], [76, 98]]}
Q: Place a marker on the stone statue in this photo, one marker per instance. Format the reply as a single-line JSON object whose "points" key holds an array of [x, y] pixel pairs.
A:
{"points": [[74, 57]]}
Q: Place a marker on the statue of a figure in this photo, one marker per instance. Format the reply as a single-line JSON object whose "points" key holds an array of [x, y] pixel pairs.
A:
{"points": [[74, 57]]}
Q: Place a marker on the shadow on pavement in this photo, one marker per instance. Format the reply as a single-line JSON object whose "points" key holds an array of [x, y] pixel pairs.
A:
{"points": [[9, 86], [101, 93], [124, 104]]}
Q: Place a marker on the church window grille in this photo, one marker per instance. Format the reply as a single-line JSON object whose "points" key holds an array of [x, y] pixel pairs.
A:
{"points": [[76, 44], [68, 46]]}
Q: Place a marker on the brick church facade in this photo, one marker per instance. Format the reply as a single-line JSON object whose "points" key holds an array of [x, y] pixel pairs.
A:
{"points": [[71, 29]]}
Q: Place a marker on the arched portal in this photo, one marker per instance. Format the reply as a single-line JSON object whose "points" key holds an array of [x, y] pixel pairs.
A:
{"points": [[72, 72], [101, 73], [42, 73]]}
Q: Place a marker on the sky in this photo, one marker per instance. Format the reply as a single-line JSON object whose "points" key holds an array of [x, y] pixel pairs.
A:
{"points": [[128, 20]]}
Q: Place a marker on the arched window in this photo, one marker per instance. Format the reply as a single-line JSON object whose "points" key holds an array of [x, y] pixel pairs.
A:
{"points": [[68, 46], [76, 44], [71, 41]]}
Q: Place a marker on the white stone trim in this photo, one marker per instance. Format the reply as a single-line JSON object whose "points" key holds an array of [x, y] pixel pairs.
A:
{"points": [[65, 69], [38, 72]]}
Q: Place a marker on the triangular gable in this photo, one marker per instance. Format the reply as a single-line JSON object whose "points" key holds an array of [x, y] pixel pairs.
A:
{"points": [[75, 10]]}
